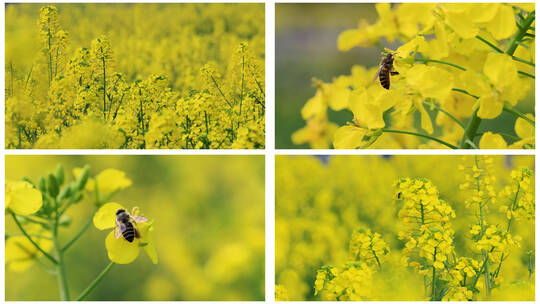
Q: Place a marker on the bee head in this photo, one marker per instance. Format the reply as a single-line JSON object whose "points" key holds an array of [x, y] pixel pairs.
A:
{"points": [[122, 215], [390, 57]]}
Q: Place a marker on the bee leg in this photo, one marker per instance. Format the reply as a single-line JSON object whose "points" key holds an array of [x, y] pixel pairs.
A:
{"points": [[137, 234], [394, 73]]}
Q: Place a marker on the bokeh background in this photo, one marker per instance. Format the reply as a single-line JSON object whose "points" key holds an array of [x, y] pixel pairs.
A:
{"points": [[321, 200], [208, 230], [306, 47]]}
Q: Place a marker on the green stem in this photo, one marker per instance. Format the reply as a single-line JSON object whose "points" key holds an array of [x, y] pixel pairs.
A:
{"points": [[498, 50], [60, 267], [81, 232], [526, 74], [477, 276], [520, 34], [376, 258], [433, 276], [518, 113], [509, 224], [483, 228], [472, 126], [470, 131], [104, 89], [523, 61], [420, 135], [95, 282], [32, 241], [438, 108], [464, 92], [441, 62], [241, 93], [217, 86]]}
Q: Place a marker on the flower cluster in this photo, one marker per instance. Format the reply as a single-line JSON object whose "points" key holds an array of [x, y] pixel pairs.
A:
{"points": [[429, 243], [479, 182], [179, 90], [520, 196], [39, 210], [427, 230], [367, 247], [461, 63], [352, 282]]}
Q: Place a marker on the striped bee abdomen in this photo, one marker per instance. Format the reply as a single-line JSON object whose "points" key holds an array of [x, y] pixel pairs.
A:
{"points": [[128, 231], [384, 78]]}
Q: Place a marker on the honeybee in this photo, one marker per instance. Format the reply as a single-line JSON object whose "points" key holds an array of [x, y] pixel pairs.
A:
{"points": [[126, 225], [385, 70]]}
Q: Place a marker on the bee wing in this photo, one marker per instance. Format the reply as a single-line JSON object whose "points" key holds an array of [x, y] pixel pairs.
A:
{"points": [[378, 73], [139, 219], [117, 232]]}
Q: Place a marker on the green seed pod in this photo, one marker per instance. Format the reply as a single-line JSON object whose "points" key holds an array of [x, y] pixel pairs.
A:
{"points": [[59, 174], [65, 193], [77, 197], [83, 178], [52, 185], [42, 184], [65, 220]]}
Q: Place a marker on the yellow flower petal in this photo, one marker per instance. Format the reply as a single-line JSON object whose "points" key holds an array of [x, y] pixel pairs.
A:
{"points": [[314, 107], [503, 25], [482, 12], [121, 251], [426, 123], [337, 94], [105, 217], [367, 112], [387, 98], [492, 141], [21, 253], [22, 198], [529, 7], [110, 180], [349, 39], [461, 24], [410, 47], [349, 137], [523, 128], [437, 48], [147, 242], [430, 81], [500, 69], [490, 107], [438, 265], [474, 83]]}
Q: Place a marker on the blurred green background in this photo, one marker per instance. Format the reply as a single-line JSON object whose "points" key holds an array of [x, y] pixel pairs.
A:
{"points": [[208, 230], [306, 47]]}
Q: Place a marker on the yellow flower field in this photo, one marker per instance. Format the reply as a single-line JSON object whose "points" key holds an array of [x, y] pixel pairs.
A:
{"points": [[146, 76], [355, 228], [199, 230]]}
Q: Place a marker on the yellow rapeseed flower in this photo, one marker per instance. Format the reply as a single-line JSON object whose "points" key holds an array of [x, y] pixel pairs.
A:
{"points": [[22, 198], [119, 250], [21, 253], [109, 180]]}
